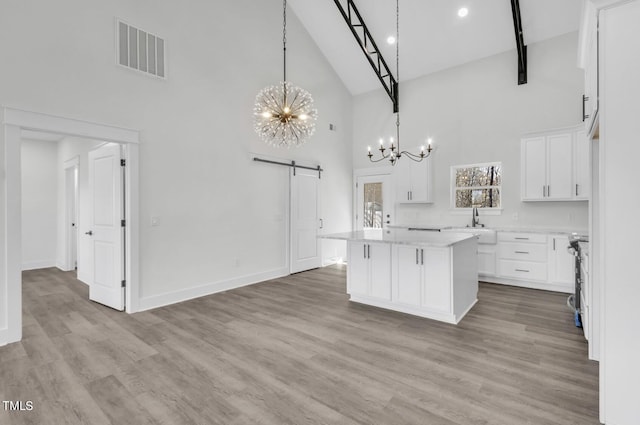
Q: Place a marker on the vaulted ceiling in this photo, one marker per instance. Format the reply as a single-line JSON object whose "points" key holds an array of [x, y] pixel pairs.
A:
{"points": [[432, 36]]}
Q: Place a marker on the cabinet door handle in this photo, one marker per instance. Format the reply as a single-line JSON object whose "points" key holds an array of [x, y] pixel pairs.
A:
{"points": [[422, 257], [522, 270], [576, 189], [544, 191], [549, 191], [321, 223], [554, 244], [368, 251], [365, 250], [523, 252], [416, 255], [411, 193], [522, 239], [407, 195]]}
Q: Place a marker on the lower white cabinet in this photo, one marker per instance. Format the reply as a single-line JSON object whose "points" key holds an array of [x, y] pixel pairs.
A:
{"points": [[437, 282], [532, 260], [369, 271], [486, 260], [561, 262], [425, 274]]}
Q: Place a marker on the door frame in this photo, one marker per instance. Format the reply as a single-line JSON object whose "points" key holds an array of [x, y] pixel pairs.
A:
{"points": [[70, 253], [12, 122], [371, 172]]}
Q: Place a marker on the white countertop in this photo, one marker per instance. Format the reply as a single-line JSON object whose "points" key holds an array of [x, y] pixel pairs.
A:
{"points": [[515, 229], [402, 236]]}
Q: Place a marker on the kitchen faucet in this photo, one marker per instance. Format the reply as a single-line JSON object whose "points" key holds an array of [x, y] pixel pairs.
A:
{"points": [[475, 221]]}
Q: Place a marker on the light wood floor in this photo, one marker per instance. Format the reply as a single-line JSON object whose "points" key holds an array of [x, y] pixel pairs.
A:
{"points": [[295, 351]]}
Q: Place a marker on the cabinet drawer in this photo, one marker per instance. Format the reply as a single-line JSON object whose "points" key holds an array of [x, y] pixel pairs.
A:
{"points": [[523, 252], [525, 270], [522, 237]]}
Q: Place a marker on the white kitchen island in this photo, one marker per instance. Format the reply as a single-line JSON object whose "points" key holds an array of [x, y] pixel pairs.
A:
{"points": [[427, 274]]}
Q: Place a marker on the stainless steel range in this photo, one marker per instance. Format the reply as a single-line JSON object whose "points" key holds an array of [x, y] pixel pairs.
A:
{"points": [[574, 300]]}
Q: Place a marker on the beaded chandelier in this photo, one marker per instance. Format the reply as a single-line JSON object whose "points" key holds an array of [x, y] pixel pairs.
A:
{"points": [[283, 114]]}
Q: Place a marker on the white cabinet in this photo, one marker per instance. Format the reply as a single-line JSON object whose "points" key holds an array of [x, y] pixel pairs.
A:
{"points": [[561, 262], [582, 161], [437, 282], [486, 260], [531, 260], [410, 273], [522, 256], [413, 181], [425, 276], [551, 164], [437, 277], [369, 271], [590, 101]]}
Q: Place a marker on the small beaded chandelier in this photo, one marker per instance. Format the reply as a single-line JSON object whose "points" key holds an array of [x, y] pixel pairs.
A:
{"points": [[283, 114]]}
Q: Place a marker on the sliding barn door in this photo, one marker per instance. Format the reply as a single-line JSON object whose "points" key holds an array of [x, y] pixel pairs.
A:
{"points": [[305, 222]]}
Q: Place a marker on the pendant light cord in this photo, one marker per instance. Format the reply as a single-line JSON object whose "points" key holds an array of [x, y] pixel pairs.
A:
{"points": [[284, 38], [398, 71]]}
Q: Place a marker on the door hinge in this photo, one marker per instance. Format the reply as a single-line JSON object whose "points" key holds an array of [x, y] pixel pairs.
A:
{"points": [[123, 223], [123, 162], [123, 283]]}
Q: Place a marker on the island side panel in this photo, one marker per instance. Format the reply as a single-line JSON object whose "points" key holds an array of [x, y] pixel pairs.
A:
{"points": [[357, 268], [464, 266]]}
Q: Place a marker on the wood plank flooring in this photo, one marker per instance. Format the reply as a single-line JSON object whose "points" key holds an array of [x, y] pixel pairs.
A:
{"points": [[295, 351]]}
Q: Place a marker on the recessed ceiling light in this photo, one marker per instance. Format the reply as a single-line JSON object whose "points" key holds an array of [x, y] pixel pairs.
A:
{"points": [[462, 12], [391, 39]]}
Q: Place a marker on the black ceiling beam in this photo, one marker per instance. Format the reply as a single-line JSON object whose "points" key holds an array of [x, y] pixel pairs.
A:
{"points": [[522, 48], [360, 31]]}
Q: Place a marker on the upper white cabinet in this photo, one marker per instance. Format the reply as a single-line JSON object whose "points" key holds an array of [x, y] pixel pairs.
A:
{"points": [[590, 101], [555, 165], [413, 181]]}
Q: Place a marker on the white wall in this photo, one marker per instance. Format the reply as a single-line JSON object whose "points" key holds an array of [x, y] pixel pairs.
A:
{"points": [[39, 203], [214, 204], [618, 208], [477, 113]]}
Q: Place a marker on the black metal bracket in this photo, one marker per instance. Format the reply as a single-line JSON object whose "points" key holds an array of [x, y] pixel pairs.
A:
{"points": [[521, 47], [291, 164], [360, 31]]}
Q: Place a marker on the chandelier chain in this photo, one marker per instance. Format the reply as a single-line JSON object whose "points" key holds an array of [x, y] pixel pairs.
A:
{"points": [[284, 37], [398, 69]]}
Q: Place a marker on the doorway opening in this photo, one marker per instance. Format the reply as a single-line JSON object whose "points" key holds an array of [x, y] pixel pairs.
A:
{"points": [[373, 206], [11, 127]]}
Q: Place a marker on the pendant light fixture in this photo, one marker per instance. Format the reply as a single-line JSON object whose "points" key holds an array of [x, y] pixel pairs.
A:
{"points": [[283, 114], [395, 153]]}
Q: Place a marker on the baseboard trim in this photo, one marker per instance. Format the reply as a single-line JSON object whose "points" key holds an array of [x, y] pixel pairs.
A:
{"points": [[530, 285], [168, 298], [34, 265], [4, 337], [82, 278]]}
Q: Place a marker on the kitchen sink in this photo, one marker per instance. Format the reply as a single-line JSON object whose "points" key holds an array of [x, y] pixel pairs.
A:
{"points": [[485, 236]]}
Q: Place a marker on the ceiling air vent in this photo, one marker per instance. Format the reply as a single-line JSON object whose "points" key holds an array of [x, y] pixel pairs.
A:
{"points": [[140, 50]]}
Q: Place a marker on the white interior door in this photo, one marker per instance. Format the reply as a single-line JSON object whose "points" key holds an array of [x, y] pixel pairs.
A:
{"points": [[105, 228], [305, 222], [373, 206], [71, 217]]}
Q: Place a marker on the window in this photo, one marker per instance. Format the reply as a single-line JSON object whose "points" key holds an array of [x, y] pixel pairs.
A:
{"points": [[477, 185]]}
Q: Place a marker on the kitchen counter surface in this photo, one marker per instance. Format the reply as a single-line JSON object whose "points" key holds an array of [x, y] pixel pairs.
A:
{"points": [[514, 229], [403, 237]]}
